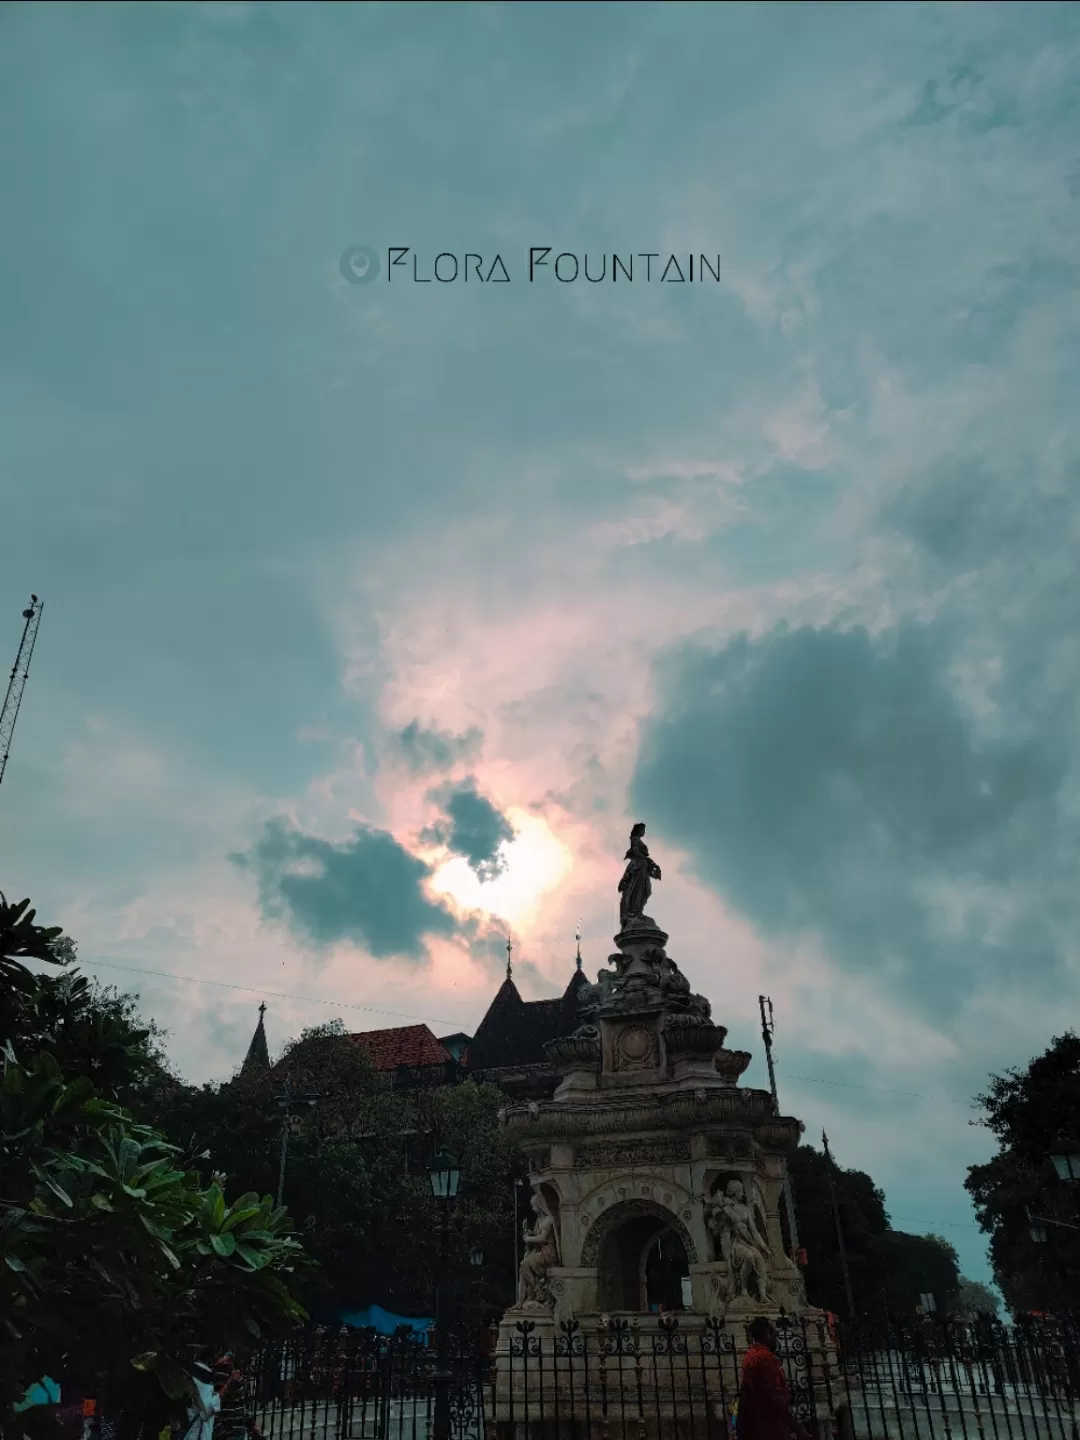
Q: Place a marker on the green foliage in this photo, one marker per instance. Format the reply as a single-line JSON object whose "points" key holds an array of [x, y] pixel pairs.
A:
{"points": [[909, 1266], [862, 1215], [889, 1269], [21, 940], [114, 1257], [1032, 1112], [356, 1173], [975, 1298], [463, 1119]]}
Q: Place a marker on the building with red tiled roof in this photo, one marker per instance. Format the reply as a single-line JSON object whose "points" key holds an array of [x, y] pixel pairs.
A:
{"points": [[507, 1049], [406, 1047]]}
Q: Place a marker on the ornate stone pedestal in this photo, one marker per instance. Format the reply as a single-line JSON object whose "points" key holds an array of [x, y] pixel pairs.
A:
{"points": [[651, 1166]]}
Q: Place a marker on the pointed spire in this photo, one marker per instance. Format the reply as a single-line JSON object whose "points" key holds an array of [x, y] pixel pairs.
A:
{"points": [[258, 1055], [577, 937], [509, 960]]}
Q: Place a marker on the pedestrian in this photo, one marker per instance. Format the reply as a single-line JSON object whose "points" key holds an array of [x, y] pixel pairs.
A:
{"points": [[764, 1402], [202, 1414], [237, 1418]]}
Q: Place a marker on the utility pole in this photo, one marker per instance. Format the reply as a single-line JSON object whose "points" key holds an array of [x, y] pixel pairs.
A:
{"points": [[768, 1029], [289, 1102], [17, 680], [831, 1163]]}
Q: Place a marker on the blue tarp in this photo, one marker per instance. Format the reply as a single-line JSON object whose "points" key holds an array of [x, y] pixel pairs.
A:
{"points": [[45, 1392], [374, 1317]]}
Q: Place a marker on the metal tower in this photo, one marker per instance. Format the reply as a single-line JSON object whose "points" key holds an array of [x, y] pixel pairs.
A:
{"points": [[17, 683]]}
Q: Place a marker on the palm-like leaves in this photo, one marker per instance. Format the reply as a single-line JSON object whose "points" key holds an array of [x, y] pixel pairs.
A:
{"points": [[109, 1247]]}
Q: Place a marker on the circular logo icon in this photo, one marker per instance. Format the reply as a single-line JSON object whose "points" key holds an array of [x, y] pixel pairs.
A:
{"points": [[359, 265]]}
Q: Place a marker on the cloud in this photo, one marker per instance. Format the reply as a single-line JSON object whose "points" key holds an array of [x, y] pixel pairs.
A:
{"points": [[430, 750], [367, 890], [830, 782], [471, 827]]}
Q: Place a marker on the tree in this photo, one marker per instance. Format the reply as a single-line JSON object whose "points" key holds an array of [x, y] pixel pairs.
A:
{"points": [[975, 1298], [357, 1172], [114, 1257], [1032, 1112], [910, 1266], [889, 1269], [862, 1217], [464, 1119]]}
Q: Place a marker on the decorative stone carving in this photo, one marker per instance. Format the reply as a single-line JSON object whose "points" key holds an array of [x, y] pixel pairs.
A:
{"points": [[636, 1048], [730, 1064], [635, 887], [732, 1147], [579, 1051], [743, 1247], [626, 1210], [781, 1132], [541, 1253], [797, 1289], [688, 1035], [674, 1151], [678, 1111]]}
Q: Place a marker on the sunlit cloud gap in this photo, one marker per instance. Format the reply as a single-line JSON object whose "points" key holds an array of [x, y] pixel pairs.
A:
{"points": [[532, 864]]}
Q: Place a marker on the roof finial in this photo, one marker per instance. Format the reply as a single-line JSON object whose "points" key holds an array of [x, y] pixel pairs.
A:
{"points": [[509, 953], [262, 1009], [577, 937]]}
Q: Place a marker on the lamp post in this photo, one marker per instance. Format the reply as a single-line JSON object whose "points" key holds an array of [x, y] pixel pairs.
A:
{"points": [[1067, 1165], [288, 1101], [445, 1177]]}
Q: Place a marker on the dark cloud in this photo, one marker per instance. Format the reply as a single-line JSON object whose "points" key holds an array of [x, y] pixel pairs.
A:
{"points": [[830, 782], [426, 752], [368, 890], [471, 827]]}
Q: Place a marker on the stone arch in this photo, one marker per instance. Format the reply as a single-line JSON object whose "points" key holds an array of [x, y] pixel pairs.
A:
{"points": [[622, 1213], [619, 1246]]}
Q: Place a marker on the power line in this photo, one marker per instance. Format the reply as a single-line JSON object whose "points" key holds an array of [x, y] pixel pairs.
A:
{"points": [[882, 1089], [251, 990], [946, 1224]]}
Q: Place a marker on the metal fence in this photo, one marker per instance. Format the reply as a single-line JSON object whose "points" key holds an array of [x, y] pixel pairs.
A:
{"points": [[675, 1379]]}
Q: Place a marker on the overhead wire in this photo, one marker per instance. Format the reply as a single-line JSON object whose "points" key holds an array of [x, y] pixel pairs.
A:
{"points": [[442, 1020]]}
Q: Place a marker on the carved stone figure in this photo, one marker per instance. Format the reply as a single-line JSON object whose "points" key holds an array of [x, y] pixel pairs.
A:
{"points": [[744, 1248], [541, 1253], [635, 887]]}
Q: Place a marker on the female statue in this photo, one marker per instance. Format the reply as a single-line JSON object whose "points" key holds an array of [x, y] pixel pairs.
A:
{"points": [[635, 887], [541, 1252]]}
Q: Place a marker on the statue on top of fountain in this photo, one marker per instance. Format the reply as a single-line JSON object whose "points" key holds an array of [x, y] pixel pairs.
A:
{"points": [[635, 887]]}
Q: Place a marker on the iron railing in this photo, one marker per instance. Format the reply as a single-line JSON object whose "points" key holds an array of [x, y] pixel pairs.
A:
{"points": [[635, 1378]]}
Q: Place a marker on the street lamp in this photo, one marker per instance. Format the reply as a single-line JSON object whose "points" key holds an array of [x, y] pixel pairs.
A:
{"points": [[1067, 1165], [445, 1177]]}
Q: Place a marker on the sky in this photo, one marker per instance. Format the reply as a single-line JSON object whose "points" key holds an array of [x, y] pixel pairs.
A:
{"points": [[377, 607]]}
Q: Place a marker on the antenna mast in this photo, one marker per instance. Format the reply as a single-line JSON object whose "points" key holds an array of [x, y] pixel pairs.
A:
{"points": [[17, 682], [768, 1029]]}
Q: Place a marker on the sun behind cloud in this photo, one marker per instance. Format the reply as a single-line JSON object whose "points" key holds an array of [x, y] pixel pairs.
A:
{"points": [[533, 864]]}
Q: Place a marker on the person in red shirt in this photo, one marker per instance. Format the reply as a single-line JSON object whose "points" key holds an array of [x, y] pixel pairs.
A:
{"points": [[764, 1401]]}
